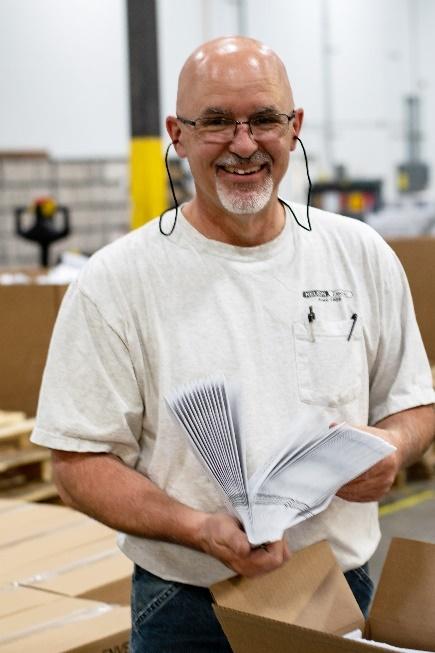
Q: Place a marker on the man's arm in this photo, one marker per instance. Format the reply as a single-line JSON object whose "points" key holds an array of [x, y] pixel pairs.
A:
{"points": [[101, 486], [411, 432]]}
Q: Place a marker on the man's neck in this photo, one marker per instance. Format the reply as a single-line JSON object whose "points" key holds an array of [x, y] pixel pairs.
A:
{"points": [[240, 230]]}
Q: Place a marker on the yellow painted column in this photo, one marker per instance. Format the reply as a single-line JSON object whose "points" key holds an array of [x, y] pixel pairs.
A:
{"points": [[147, 178]]}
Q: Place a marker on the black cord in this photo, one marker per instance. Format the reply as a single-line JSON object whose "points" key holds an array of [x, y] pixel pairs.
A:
{"points": [[283, 203], [309, 228], [168, 233]]}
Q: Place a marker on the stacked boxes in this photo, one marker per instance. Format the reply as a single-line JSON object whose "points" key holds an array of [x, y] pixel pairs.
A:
{"points": [[47, 622], [63, 581]]}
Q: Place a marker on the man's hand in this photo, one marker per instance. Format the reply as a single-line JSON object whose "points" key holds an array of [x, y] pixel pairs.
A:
{"points": [[220, 536], [376, 481]]}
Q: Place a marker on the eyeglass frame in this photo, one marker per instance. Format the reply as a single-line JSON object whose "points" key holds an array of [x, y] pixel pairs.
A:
{"points": [[236, 123]]}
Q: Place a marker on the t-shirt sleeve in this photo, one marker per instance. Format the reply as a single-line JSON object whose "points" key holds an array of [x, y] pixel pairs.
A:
{"points": [[400, 377], [90, 400]]}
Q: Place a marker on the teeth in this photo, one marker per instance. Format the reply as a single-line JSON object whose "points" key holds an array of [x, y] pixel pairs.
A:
{"points": [[241, 171]]}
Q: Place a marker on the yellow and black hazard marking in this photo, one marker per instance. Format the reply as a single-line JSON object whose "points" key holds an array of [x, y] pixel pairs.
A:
{"points": [[147, 171]]}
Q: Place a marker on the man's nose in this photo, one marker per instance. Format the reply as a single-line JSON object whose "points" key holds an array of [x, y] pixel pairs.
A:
{"points": [[243, 142]]}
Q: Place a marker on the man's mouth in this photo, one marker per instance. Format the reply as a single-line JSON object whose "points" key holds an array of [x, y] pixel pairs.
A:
{"points": [[236, 170]]}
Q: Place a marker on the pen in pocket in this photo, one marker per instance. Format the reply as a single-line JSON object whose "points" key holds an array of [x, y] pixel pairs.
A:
{"points": [[311, 318], [354, 319]]}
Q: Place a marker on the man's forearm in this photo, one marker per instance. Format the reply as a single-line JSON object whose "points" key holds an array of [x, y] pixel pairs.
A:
{"points": [[101, 486], [414, 431], [104, 488]]}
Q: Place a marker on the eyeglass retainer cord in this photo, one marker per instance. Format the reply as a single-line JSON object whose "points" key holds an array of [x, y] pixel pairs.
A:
{"points": [[282, 202]]}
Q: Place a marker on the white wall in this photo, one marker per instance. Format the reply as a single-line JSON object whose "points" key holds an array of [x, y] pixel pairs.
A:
{"points": [[63, 74], [63, 77]]}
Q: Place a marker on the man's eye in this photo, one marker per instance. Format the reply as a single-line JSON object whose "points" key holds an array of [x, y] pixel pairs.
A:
{"points": [[215, 122], [260, 121]]}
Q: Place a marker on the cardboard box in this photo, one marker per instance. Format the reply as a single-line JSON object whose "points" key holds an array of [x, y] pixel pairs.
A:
{"points": [[9, 504], [48, 543], [96, 570], [417, 256], [66, 625], [307, 605], [28, 313], [22, 521], [15, 599]]}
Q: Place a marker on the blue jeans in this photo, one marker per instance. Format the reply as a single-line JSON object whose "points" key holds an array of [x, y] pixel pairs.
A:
{"points": [[169, 617], [361, 585]]}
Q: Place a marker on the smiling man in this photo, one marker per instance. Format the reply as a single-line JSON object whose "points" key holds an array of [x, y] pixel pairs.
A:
{"points": [[236, 176], [293, 318]]}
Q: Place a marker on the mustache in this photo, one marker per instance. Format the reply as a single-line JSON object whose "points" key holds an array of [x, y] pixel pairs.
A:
{"points": [[257, 158]]}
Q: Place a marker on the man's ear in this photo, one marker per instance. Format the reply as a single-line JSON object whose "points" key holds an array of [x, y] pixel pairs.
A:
{"points": [[174, 131], [295, 127]]}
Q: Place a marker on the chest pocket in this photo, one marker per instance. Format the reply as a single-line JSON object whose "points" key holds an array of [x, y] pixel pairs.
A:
{"points": [[329, 366]]}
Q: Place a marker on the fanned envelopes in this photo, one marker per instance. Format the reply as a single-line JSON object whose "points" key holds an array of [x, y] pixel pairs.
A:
{"points": [[298, 482]]}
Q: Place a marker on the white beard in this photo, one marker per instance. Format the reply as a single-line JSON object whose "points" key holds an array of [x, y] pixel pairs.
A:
{"points": [[243, 201]]}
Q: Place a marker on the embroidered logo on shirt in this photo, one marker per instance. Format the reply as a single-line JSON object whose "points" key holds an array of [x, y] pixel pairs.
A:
{"points": [[328, 295]]}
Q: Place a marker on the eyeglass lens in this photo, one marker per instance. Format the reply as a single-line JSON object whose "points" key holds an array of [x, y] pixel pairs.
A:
{"points": [[262, 128]]}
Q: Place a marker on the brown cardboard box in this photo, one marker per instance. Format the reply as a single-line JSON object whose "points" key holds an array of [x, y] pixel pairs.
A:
{"points": [[28, 313], [22, 521], [15, 599], [417, 256], [9, 504], [96, 570], [57, 539], [66, 625], [306, 606]]}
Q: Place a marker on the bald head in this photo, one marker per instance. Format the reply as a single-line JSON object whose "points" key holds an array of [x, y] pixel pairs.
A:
{"points": [[235, 61]]}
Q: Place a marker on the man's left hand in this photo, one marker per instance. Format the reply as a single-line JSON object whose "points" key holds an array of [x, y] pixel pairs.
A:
{"points": [[374, 484]]}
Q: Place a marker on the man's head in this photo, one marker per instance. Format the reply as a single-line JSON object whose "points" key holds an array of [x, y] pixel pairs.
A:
{"points": [[237, 169]]}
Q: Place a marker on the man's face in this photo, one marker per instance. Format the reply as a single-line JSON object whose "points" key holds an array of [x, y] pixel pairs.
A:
{"points": [[240, 176]]}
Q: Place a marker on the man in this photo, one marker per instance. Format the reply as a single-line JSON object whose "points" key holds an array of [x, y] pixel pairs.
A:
{"points": [[231, 289]]}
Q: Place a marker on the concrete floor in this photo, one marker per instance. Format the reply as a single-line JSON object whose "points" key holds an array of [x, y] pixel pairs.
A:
{"points": [[409, 512]]}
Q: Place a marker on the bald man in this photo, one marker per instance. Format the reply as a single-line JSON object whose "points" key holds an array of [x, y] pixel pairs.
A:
{"points": [[292, 318]]}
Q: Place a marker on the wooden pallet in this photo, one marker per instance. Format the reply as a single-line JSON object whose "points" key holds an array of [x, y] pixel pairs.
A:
{"points": [[25, 468], [8, 417], [16, 434]]}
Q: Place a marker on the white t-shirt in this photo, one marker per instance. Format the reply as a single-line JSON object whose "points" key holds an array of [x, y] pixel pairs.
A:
{"points": [[150, 312]]}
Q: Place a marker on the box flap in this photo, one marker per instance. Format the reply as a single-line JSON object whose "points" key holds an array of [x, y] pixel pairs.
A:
{"points": [[403, 608], [253, 634], [309, 590]]}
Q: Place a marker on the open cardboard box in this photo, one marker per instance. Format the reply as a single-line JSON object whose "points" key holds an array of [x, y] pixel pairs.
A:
{"points": [[307, 605], [59, 625]]}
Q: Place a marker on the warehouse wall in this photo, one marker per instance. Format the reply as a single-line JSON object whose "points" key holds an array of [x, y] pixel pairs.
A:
{"points": [[64, 73], [63, 77]]}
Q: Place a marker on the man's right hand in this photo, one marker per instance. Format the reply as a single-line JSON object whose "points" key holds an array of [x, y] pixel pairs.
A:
{"points": [[220, 536]]}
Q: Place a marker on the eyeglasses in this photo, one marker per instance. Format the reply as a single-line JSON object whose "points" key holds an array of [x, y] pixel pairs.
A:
{"points": [[262, 127]]}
